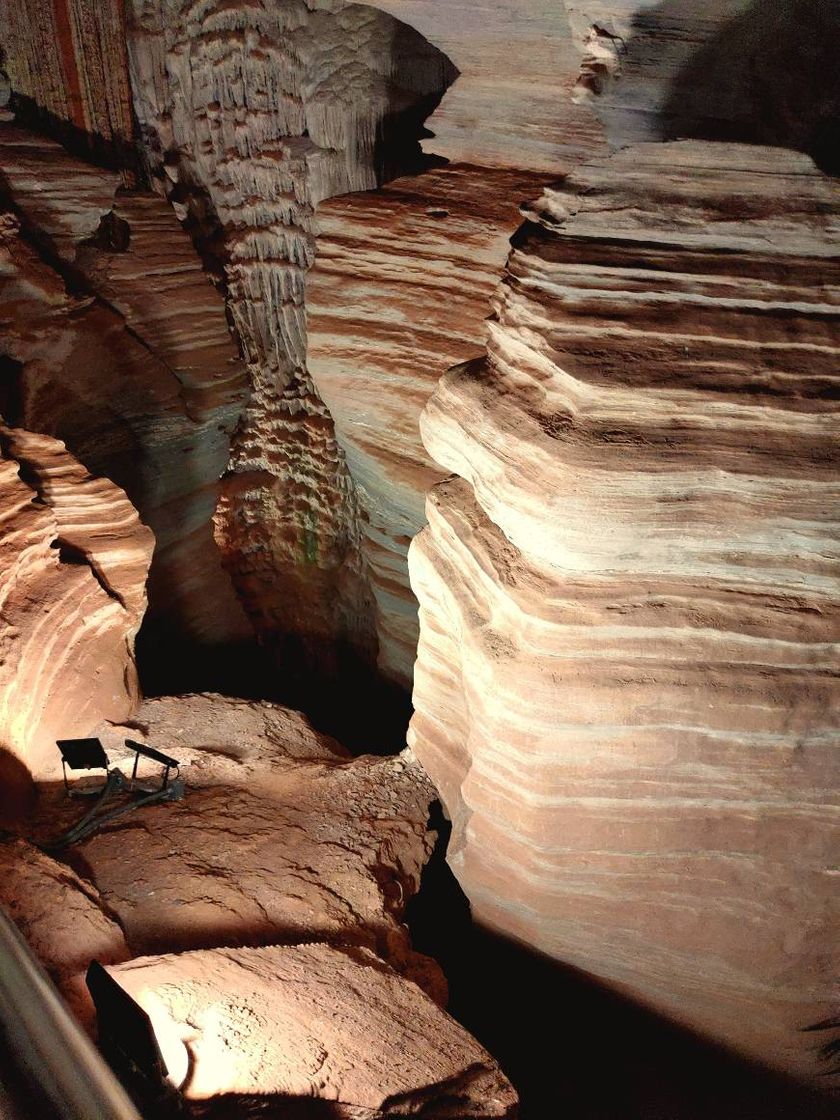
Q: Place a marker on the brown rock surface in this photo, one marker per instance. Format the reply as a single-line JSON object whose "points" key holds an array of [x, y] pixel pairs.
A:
{"points": [[280, 837], [68, 59], [399, 292], [72, 591], [259, 1023], [117, 343], [627, 680], [61, 916]]}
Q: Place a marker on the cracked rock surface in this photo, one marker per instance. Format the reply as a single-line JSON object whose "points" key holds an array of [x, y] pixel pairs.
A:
{"points": [[266, 846]]}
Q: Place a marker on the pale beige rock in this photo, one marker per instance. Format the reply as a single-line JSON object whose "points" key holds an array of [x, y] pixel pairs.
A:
{"points": [[68, 58], [314, 1021], [399, 292], [125, 354], [72, 594], [627, 681]]}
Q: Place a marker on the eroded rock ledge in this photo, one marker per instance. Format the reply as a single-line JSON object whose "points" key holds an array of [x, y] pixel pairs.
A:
{"points": [[276, 890], [627, 680]]}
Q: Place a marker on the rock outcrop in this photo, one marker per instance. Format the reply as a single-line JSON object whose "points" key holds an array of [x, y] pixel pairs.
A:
{"points": [[62, 918], [72, 595], [280, 837], [253, 116], [399, 292], [627, 680], [255, 1023], [116, 342]]}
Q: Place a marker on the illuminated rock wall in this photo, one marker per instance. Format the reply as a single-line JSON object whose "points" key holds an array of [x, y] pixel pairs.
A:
{"points": [[72, 592], [627, 683]]}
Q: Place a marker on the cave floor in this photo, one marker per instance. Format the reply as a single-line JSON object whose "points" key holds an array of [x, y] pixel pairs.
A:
{"points": [[259, 920]]}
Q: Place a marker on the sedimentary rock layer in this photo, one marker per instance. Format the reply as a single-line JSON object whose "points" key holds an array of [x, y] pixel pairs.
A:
{"points": [[627, 683], [376, 1047], [72, 594], [399, 292], [116, 342]]}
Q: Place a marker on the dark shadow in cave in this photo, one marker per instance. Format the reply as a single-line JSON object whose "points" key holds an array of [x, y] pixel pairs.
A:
{"points": [[770, 75], [11, 391], [574, 1048], [111, 154], [421, 75]]}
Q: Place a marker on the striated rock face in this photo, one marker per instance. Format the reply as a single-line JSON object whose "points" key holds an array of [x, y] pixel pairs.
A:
{"points": [[72, 591], [627, 681], [399, 293], [376, 1048], [116, 342]]}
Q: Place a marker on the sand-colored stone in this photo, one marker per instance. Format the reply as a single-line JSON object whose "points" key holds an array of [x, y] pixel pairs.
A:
{"points": [[72, 591], [280, 837], [627, 680], [314, 1021]]}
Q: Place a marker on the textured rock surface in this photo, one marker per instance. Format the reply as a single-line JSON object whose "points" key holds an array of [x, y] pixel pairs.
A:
{"points": [[627, 681], [252, 116], [72, 594], [280, 837], [116, 342], [399, 293], [62, 918], [256, 1022]]}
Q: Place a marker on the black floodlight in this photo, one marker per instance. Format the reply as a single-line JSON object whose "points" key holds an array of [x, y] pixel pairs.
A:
{"points": [[81, 754], [156, 756]]}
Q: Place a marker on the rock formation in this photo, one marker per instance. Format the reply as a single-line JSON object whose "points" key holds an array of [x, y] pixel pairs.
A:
{"points": [[281, 222], [252, 117], [285, 845], [366, 1048], [399, 292], [62, 917], [72, 595], [627, 679], [281, 836], [117, 344]]}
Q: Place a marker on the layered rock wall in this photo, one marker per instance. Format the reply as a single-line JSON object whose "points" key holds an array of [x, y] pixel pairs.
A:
{"points": [[627, 680], [66, 61], [72, 595], [399, 292], [116, 342]]}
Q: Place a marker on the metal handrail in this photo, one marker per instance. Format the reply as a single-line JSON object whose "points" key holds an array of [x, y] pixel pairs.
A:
{"points": [[47, 1047]]}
